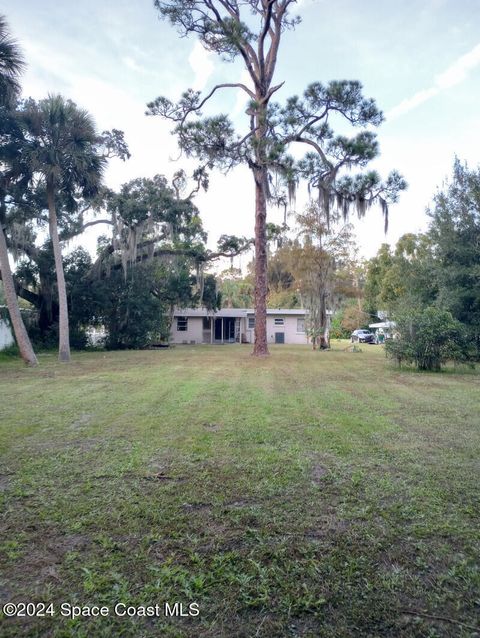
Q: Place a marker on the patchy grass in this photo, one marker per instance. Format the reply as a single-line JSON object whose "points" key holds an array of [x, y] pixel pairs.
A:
{"points": [[314, 494]]}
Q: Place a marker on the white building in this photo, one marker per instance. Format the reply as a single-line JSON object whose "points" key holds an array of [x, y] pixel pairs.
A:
{"points": [[236, 325], [6, 336]]}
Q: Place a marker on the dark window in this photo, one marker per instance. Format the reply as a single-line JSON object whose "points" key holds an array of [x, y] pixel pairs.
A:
{"points": [[279, 321], [251, 323], [182, 324], [206, 323]]}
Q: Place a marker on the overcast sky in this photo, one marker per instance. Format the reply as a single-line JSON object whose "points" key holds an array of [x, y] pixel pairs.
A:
{"points": [[420, 60]]}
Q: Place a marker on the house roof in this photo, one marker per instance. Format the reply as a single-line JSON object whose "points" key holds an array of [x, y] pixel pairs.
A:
{"points": [[280, 311], [383, 324], [235, 312], [203, 312]]}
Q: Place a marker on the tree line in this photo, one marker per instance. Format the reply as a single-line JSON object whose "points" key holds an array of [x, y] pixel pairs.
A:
{"points": [[430, 282], [153, 257]]}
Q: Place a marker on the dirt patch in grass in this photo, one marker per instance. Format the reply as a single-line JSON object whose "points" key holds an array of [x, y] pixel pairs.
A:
{"points": [[42, 562], [82, 421], [5, 482], [318, 472], [196, 507], [212, 427]]}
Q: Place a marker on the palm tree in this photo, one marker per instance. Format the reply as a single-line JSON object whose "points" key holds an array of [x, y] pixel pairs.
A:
{"points": [[62, 147], [11, 65]]}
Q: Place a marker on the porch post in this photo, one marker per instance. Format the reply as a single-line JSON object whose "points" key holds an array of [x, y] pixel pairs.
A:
{"points": [[212, 325], [222, 320]]}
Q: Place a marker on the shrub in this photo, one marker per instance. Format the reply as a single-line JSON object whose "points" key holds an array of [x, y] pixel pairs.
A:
{"points": [[337, 331], [428, 337]]}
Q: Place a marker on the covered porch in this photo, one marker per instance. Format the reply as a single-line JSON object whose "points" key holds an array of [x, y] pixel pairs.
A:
{"points": [[219, 330]]}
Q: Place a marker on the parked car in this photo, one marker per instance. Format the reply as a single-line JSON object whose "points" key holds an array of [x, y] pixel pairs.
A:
{"points": [[363, 336]]}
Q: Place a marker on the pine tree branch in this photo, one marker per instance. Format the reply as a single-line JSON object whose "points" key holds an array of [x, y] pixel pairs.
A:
{"points": [[317, 147], [237, 85]]}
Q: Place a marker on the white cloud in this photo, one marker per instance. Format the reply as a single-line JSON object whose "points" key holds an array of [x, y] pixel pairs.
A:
{"points": [[202, 65], [456, 73], [134, 66], [409, 104]]}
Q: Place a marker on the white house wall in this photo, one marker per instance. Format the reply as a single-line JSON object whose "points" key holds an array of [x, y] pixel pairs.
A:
{"points": [[194, 331], [289, 329], [6, 337]]}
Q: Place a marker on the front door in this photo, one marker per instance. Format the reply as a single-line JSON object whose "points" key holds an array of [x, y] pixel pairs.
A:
{"points": [[279, 337]]}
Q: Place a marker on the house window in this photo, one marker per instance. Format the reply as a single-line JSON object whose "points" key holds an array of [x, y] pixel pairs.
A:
{"points": [[182, 324], [206, 323], [279, 321], [301, 325], [251, 323]]}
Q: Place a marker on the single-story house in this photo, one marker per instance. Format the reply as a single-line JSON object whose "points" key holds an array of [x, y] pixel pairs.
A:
{"points": [[236, 325]]}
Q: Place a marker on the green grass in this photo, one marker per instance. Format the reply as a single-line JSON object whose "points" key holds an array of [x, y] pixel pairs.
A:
{"points": [[319, 494]]}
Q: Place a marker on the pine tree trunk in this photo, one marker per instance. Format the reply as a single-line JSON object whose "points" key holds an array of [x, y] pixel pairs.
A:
{"points": [[261, 286], [64, 336], [21, 335]]}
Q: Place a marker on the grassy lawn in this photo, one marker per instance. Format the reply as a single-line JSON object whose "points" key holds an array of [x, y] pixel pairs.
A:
{"points": [[309, 494]]}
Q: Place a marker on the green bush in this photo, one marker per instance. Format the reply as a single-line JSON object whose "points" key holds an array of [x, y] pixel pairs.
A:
{"points": [[10, 351], [337, 331], [428, 338]]}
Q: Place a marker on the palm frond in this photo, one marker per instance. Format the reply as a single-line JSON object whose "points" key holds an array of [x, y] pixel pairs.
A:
{"points": [[11, 65]]}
